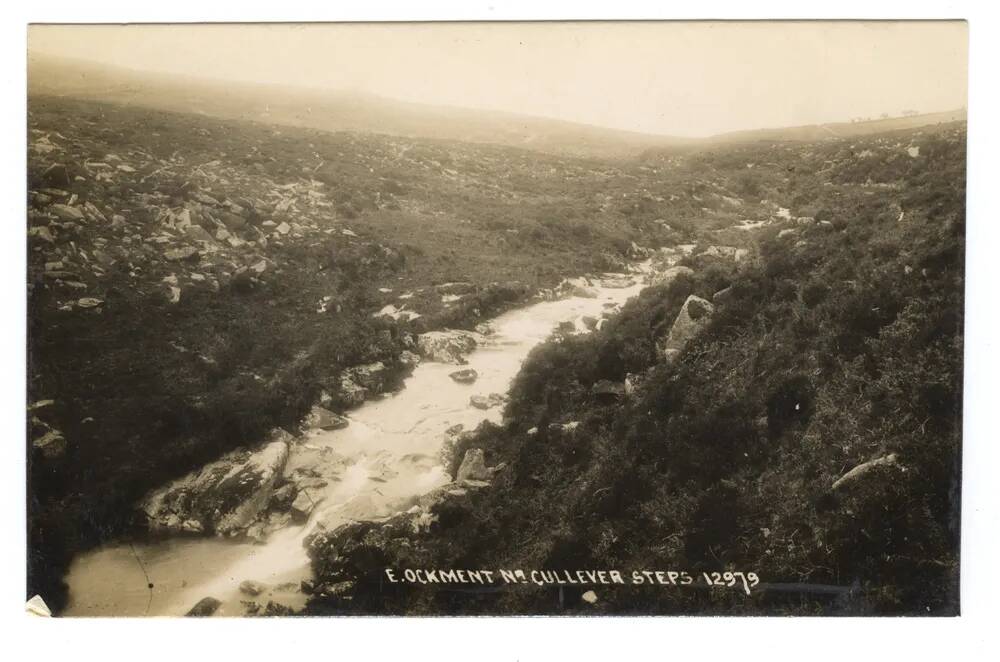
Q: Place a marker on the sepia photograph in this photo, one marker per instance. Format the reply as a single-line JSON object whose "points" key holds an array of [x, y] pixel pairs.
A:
{"points": [[545, 318]]}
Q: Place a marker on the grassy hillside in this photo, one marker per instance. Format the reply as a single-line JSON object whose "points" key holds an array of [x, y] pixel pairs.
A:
{"points": [[839, 344]]}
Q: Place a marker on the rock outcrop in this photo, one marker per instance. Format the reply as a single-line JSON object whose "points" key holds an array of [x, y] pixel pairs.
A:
{"points": [[223, 497], [692, 318]]}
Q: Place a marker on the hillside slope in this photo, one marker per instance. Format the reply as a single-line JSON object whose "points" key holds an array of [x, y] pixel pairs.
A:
{"points": [[194, 282], [810, 432]]}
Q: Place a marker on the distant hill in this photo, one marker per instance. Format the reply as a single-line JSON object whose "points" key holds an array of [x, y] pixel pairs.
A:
{"points": [[330, 109], [334, 110], [817, 132]]}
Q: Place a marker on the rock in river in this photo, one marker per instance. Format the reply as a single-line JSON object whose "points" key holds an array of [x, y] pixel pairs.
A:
{"points": [[205, 607], [446, 346], [466, 376], [486, 401], [324, 419], [252, 588]]}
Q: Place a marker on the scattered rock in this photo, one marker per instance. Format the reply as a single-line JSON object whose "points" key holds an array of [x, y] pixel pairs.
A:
{"points": [[67, 213], [232, 221], [88, 302], [197, 233], [179, 254]]}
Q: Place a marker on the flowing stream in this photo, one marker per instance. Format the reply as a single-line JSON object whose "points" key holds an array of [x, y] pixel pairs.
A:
{"points": [[379, 465]]}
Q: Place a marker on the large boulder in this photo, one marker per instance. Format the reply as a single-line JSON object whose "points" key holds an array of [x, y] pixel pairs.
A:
{"points": [[473, 466], [223, 497], [446, 346], [692, 318]]}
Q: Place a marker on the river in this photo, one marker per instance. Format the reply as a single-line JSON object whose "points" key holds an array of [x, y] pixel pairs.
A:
{"points": [[379, 465]]}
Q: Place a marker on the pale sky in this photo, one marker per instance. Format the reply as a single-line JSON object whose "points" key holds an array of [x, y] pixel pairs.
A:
{"points": [[685, 79]]}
